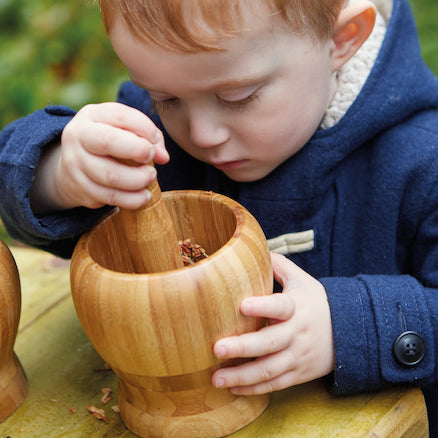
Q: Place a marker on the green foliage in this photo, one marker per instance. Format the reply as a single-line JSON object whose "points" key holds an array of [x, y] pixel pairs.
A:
{"points": [[426, 15], [54, 52]]}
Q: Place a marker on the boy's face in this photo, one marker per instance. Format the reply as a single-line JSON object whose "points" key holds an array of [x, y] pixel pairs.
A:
{"points": [[244, 110]]}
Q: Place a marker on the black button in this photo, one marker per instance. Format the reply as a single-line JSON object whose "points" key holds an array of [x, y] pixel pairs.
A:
{"points": [[409, 348]]}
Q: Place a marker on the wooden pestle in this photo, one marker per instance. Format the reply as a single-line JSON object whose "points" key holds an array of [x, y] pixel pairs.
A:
{"points": [[150, 235]]}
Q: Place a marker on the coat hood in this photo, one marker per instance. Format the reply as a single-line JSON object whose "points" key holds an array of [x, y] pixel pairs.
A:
{"points": [[399, 85]]}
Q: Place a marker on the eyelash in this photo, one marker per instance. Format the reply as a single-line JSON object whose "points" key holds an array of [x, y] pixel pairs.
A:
{"points": [[162, 105], [239, 105], [234, 105]]}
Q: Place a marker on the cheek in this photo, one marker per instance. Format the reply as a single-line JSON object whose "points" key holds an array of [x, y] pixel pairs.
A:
{"points": [[176, 128], [268, 138], [302, 112], [319, 86], [285, 129]]}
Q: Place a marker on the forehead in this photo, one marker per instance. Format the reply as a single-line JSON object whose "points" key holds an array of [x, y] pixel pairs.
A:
{"points": [[250, 55], [192, 26]]}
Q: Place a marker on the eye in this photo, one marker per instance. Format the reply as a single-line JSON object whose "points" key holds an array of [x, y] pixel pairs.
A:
{"points": [[165, 104], [238, 105]]}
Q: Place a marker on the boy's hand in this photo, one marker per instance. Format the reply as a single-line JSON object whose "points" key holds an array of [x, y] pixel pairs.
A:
{"points": [[296, 346], [87, 169]]}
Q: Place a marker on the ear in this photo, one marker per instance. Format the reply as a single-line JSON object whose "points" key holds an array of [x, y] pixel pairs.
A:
{"points": [[354, 25]]}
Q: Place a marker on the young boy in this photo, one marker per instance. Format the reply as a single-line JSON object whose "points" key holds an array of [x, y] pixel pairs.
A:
{"points": [[320, 119]]}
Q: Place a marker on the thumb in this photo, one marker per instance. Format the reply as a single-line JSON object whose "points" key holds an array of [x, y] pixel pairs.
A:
{"points": [[286, 272], [161, 155]]}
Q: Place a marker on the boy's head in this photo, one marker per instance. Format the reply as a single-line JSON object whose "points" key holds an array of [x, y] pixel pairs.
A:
{"points": [[241, 85], [186, 25]]}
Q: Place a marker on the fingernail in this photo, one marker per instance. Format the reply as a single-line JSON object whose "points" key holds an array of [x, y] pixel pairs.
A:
{"points": [[151, 155], [148, 196], [157, 137], [219, 383], [246, 307], [221, 351]]}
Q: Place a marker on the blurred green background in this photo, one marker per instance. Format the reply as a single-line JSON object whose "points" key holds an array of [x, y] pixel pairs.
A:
{"points": [[57, 52], [54, 52]]}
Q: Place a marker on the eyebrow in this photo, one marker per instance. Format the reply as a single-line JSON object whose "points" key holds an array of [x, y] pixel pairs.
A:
{"points": [[241, 82], [246, 81]]}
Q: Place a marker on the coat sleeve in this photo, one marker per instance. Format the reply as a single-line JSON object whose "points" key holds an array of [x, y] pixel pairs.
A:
{"points": [[371, 313], [21, 145]]}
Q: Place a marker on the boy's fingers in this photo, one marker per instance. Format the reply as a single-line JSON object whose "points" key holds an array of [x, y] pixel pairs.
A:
{"points": [[128, 200], [282, 268], [287, 273], [276, 384], [267, 340], [161, 155], [276, 306], [259, 376], [124, 117], [110, 173], [105, 140], [133, 134], [96, 196]]}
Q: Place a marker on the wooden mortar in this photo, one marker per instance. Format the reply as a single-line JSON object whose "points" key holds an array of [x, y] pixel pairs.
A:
{"points": [[13, 382], [157, 330]]}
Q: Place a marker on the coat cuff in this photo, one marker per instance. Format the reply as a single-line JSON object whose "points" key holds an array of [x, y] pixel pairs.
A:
{"points": [[369, 315]]}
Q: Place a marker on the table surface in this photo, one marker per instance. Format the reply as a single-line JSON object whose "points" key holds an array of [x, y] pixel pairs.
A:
{"points": [[65, 375]]}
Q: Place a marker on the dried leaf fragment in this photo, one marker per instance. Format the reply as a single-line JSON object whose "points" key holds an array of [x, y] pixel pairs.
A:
{"points": [[115, 408], [191, 252], [97, 413], [72, 410], [107, 397]]}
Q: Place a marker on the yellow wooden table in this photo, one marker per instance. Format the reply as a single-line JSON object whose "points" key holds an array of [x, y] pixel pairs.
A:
{"points": [[65, 376]]}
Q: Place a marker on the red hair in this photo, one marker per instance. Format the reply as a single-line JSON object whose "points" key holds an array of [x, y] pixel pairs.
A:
{"points": [[180, 24]]}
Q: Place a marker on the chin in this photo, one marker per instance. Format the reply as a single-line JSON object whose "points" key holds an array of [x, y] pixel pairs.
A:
{"points": [[248, 176]]}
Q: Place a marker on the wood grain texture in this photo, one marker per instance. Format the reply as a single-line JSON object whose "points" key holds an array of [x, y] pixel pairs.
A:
{"points": [[59, 362], [13, 383], [150, 236], [309, 411], [157, 330], [407, 419]]}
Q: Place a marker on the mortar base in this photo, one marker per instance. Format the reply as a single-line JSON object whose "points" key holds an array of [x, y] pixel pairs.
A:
{"points": [[13, 387], [218, 422]]}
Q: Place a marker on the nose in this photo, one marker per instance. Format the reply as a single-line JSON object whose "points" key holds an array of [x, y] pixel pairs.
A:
{"points": [[207, 130]]}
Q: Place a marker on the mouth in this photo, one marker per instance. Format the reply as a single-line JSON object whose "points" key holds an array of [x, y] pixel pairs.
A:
{"points": [[229, 165]]}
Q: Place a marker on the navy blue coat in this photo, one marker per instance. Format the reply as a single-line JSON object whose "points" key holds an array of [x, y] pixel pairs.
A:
{"points": [[365, 191]]}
